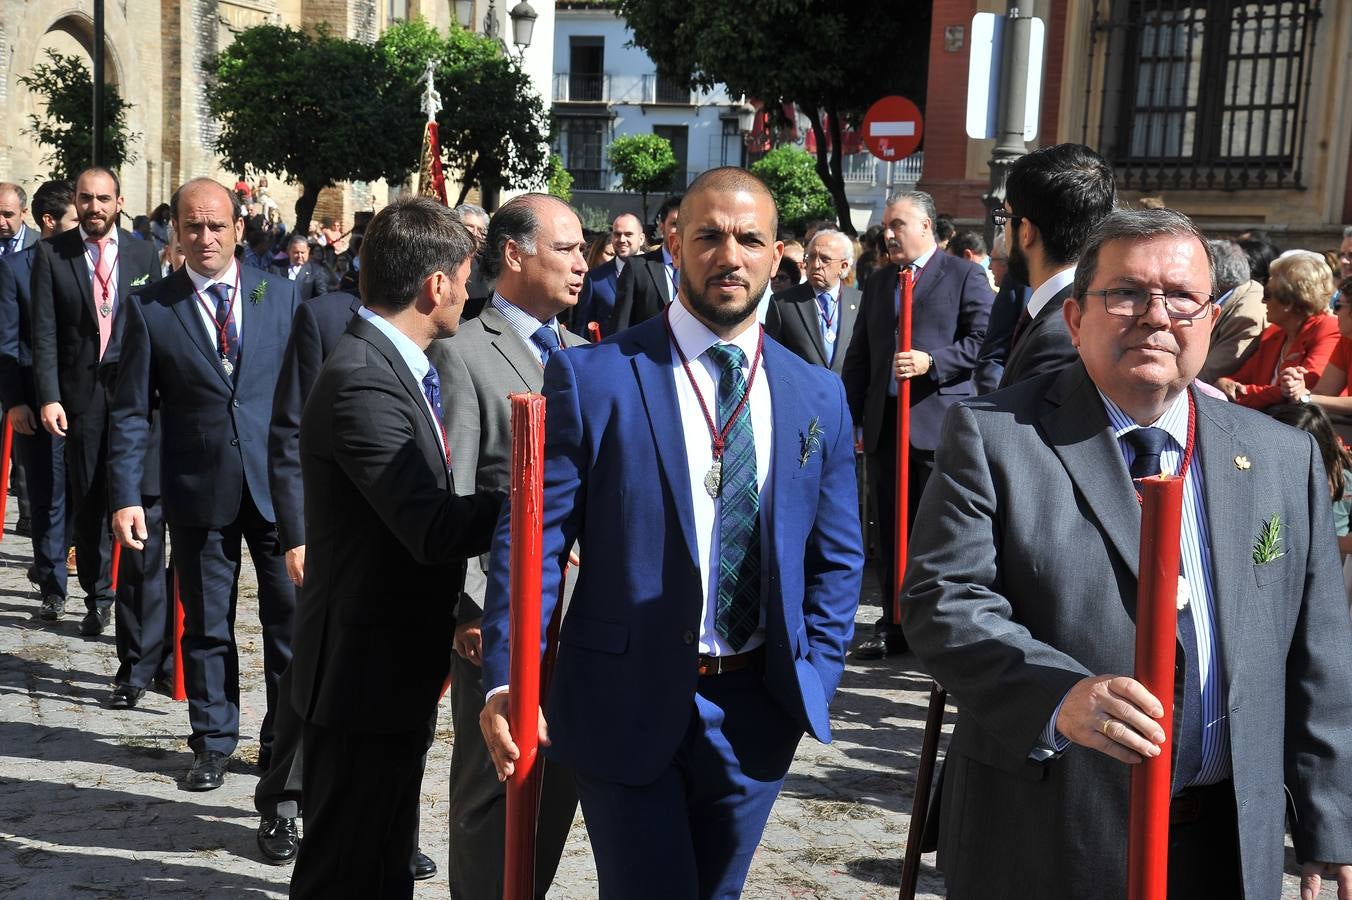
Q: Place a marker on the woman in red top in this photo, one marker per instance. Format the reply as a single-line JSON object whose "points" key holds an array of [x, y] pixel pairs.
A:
{"points": [[1301, 334], [1331, 393]]}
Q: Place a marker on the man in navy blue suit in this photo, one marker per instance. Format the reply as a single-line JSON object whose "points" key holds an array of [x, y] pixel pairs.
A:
{"points": [[710, 478], [206, 345], [43, 454], [951, 305], [597, 301]]}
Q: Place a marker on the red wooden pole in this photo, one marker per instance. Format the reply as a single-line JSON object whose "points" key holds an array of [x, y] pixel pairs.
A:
{"points": [[116, 564], [594, 332], [180, 686], [1156, 647], [903, 444], [523, 788], [5, 453]]}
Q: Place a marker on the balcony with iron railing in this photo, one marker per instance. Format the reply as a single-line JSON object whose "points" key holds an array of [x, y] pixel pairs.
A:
{"points": [[590, 179], [866, 169], [604, 87], [658, 88], [581, 87]]}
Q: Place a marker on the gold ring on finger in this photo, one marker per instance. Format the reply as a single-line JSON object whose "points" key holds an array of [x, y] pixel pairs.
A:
{"points": [[1104, 727]]}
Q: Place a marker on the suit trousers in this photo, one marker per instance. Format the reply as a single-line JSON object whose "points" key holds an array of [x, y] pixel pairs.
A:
{"points": [[44, 457], [279, 788], [478, 801], [1204, 854], [882, 479], [361, 813], [693, 831], [87, 479], [145, 628], [207, 562]]}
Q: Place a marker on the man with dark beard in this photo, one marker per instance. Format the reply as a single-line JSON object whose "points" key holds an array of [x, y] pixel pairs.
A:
{"points": [[709, 475], [1054, 198]]}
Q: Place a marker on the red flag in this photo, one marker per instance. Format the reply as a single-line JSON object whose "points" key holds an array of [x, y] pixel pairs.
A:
{"points": [[431, 181]]}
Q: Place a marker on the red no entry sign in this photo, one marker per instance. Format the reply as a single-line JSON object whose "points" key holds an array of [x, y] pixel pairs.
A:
{"points": [[892, 128]]}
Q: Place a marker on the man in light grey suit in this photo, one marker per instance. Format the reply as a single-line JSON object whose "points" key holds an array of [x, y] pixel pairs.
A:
{"points": [[1020, 599], [534, 250]]}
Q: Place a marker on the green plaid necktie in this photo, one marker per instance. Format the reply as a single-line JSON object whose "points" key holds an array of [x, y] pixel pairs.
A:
{"points": [[739, 552]]}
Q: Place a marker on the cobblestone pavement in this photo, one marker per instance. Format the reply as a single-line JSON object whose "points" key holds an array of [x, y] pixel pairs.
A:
{"points": [[90, 805]]}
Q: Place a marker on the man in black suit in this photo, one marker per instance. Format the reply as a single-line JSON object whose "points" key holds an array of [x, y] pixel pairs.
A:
{"points": [[206, 345], [311, 278], [648, 282], [1054, 198], [80, 280], [816, 318], [386, 548], [43, 455], [951, 304], [597, 301]]}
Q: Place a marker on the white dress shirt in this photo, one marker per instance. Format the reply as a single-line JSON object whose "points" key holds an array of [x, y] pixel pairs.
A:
{"points": [[207, 311], [1049, 289], [91, 259], [695, 338], [413, 357]]}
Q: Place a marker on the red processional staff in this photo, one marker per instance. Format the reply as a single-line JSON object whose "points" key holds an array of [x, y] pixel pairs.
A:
{"points": [[906, 286], [5, 453], [527, 499]]}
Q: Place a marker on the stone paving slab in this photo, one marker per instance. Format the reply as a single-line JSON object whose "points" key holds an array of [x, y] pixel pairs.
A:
{"points": [[90, 806]]}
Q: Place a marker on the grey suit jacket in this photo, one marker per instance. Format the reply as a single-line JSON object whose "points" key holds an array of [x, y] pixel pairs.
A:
{"points": [[1024, 581], [479, 367], [1234, 337], [798, 329]]}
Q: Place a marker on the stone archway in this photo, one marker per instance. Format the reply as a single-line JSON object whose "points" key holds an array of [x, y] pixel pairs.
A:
{"points": [[73, 34]]}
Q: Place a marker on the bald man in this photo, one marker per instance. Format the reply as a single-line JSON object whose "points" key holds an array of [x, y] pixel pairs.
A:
{"points": [[205, 345], [597, 302], [718, 587]]}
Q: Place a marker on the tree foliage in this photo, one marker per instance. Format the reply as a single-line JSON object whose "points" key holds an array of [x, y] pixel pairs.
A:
{"points": [[560, 179], [791, 175], [314, 108], [65, 127], [645, 163], [493, 125], [853, 54]]}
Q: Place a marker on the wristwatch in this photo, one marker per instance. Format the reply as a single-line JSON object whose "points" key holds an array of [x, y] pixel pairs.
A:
{"points": [[1305, 397]]}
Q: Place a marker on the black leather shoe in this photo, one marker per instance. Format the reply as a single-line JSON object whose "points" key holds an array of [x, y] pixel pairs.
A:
{"points": [[207, 772], [24, 527], [423, 867], [125, 696], [163, 685], [53, 607], [879, 646], [278, 840], [93, 623]]}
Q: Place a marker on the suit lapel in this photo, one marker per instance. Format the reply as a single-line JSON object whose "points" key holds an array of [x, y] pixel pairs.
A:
{"points": [[849, 311], [787, 414], [653, 368], [506, 341], [74, 252], [657, 271], [930, 276], [1226, 487], [1077, 429], [185, 307], [807, 313]]}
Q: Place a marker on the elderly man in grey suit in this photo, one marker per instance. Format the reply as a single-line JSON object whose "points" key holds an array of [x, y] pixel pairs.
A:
{"points": [[534, 249], [1020, 599]]}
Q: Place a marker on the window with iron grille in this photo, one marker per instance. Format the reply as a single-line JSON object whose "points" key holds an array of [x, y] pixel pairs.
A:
{"points": [[1202, 94], [580, 141]]}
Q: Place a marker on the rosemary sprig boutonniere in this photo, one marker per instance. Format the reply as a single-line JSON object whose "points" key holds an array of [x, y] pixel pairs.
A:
{"points": [[811, 442], [1268, 547], [137, 282], [257, 296]]}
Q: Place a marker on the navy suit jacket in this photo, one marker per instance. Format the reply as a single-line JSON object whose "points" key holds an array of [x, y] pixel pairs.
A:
{"points": [[215, 427], [315, 330], [16, 348], [597, 301], [1010, 302], [616, 479], [951, 304]]}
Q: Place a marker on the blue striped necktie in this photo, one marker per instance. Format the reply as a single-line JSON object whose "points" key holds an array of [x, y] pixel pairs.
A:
{"points": [[547, 341], [737, 614]]}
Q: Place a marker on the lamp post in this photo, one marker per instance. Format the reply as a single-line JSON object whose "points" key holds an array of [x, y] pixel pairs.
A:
{"points": [[523, 17], [464, 13]]}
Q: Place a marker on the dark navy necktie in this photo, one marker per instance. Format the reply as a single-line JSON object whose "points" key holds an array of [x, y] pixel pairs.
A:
{"points": [[1148, 444], [225, 322], [547, 340], [431, 385]]}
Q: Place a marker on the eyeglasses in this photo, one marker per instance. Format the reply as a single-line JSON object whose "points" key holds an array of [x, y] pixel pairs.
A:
{"points": [[1002, 217], [1345, 256], [1132, 303], [813, 259]]}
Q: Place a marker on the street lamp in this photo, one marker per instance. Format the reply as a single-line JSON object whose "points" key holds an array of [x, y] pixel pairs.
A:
{"points": [[523, 17], [464, 13]]}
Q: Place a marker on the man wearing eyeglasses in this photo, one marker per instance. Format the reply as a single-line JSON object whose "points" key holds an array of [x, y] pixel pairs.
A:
{"points": [[1020, 599], [816, 318]]}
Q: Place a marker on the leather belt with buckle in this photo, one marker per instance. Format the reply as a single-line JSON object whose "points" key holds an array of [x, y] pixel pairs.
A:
{"points": [[719, 665]]}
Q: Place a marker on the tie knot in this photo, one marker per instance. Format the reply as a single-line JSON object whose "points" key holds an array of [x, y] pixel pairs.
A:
{"points": [[825, 299], [728, 357], [100, 243], [432, 380], [220, 292], [1148, 444], [546, 337]]}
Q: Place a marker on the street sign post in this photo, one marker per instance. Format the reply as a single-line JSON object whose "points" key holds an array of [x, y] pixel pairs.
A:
{"points": [[892, 128]]}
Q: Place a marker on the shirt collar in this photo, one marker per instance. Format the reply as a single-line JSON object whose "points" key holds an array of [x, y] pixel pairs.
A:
{"points": [[619, 264], [666, 258], [16, 242], [694, 337], [1174, 420], [924, 259], [1049, 289], [201, 282], [834, 292], [111, 235], [412, 355], [1220, 301], [523, 323]]}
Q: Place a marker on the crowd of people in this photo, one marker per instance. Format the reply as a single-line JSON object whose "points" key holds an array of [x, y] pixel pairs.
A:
{"points": [[336, 402]]}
